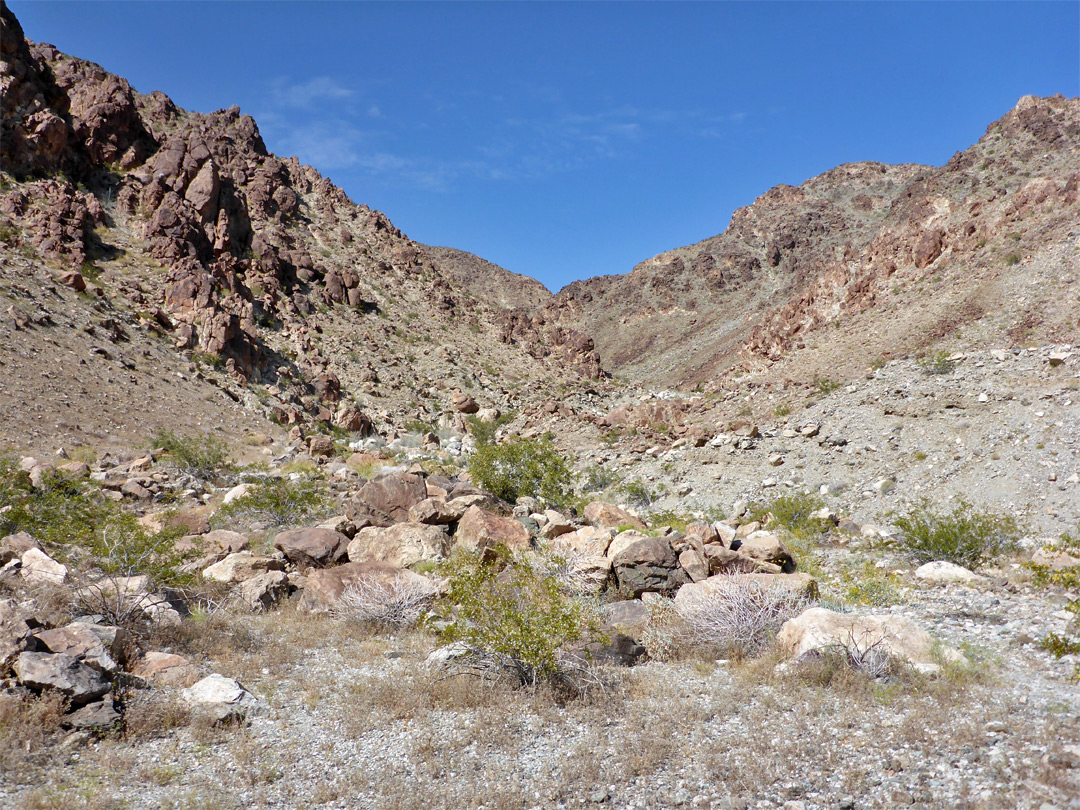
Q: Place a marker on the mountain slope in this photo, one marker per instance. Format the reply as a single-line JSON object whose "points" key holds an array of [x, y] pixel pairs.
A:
{"points": [[488, 282], [307, 307], [936, 248]]}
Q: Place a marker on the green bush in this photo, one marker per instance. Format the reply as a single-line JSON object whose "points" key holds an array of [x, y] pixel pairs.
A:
{"points": [[794, 513], [62, 511], [204, 457], [597, 478], [484, 432], [1062, 577], [639, 494], [515, 610], [1069, 644], [963, 536], [103, 543], [523, 467], [279, 502], [937, 363]]}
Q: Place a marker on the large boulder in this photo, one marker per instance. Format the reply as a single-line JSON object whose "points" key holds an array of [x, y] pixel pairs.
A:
{"points": [[819, 629], [629, 616], [943, 571], [37, 566], [78, 682], [591, 540], [722, 560], [481, 530], [648, 566], [312, 547], [767, 547], [264, 591], [403, 545], [85, 642], [623, 540], [599, 513], [324, 586], [438, 511], [241, 566], [13, 546], [386, 499], [221, 698]]}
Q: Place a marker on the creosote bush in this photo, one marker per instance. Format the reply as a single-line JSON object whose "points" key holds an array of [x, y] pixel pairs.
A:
{"points": [[104, 543], [279, 502], [203, 457], [523, 467], [963, 536], [795, 513], [514, 612]]}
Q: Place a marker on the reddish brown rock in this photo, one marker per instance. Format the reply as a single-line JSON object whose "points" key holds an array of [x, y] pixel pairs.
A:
{"points": [[481, 530], [599, 513], [166, 669], [386, 500]]}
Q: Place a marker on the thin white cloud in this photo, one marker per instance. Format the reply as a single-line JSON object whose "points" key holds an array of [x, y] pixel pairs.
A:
{"points": [[310, 93]]}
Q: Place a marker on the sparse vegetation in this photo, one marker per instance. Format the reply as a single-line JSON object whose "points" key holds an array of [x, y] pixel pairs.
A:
{"points": [[520, 466], [204, 457], [964, 536], [514, 612], [639, 494], [795, 514], [736, 618], [825, 386], [937, 363], [279, 502]]}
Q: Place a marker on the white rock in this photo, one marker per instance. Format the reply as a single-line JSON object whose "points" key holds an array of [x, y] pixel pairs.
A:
{"points": [[37, 566], [943, 571], [222, 698], [237, 492]]}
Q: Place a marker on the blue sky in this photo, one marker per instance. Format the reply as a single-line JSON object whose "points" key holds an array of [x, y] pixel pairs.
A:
{"points": [[566, 140]]}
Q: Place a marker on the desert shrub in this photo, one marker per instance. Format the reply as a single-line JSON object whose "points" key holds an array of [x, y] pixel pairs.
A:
{"points": [[63, 511], [795, 514], [871, 587], [204, 457], [1068, 577], [963, 536], [639, 494], [27, 725], [279, 502], [513, 614], [523, 467], [484, 432], [737, 617], [937, 363], [596, 478], [825, 386], [1059, 645], [104, 543], [386, 605]]}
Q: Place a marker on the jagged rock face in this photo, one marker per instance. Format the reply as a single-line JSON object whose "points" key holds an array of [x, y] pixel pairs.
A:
{"points": [[861, 238], [34, 134], [256, 261]]}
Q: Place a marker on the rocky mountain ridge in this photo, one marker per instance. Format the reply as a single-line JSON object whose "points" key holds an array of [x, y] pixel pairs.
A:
{"points": [[894, 259], [300, 303]]}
